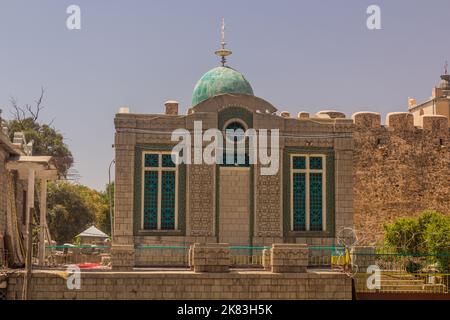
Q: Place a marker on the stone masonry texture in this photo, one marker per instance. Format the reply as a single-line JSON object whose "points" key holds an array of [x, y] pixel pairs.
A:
{"points": [[399, 171], [185, 285]]}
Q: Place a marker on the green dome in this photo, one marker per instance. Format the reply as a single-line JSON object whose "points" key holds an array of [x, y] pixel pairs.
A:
{"points": [[218, 81]]}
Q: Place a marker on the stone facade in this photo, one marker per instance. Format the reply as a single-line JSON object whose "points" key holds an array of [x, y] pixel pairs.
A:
{"points": [[399, 170], [3, 201], [289, 258], [185, 285], [225, 204], [210, 257]]}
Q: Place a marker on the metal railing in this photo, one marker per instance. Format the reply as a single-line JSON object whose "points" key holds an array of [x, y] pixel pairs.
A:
{"points": [[247, 256], [328, 256], [178, 255], [393, 282]]}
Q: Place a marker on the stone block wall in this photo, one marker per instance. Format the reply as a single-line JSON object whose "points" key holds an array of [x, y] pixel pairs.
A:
{"points": [[185, 286], [3, 199], [175, 257], [399, 170], [289, 258], [210, 257], [201, 200], [234, 206]]}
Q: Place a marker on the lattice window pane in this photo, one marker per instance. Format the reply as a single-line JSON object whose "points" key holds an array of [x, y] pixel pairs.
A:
{"points": [[151, 200], [299, 201], [299, 162], [167, 161], [151, 160], [237, 159], [315, 163], [315, 201], [168, 200]]}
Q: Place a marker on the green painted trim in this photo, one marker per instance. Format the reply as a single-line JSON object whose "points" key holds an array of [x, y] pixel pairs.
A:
{"points": [[137, 231], [330, 214]]}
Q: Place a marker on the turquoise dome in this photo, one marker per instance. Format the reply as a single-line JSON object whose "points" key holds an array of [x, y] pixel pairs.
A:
{"points": [[218, 81]]}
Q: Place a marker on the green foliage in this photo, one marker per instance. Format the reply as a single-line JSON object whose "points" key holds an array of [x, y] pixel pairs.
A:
{"points": [[47, 141], [427, 233], [73, 208], [404, 235]]}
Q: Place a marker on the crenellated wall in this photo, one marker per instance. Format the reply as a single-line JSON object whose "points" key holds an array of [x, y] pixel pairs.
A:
{"points": [[399, 169]]}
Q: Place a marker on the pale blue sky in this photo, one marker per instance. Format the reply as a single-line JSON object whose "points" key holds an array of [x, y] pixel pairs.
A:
{"points": [[298, 55]]}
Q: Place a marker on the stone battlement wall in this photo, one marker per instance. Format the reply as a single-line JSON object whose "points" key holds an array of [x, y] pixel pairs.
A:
{"points": [[399, 169]]}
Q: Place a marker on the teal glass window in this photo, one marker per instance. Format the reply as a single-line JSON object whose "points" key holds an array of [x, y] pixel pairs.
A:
{"points": [[299, 162], [315, 201], [151, 160], [168, 200], [167, 161], [299, 201], [237, 129], [159, 192], [150, 199], [308, 200], [315, 163]]}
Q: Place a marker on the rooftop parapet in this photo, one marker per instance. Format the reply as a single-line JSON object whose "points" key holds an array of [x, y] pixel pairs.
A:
{"points": [[435, 123], [400, 120], [367, 119], [331, 114], [303, 115]]}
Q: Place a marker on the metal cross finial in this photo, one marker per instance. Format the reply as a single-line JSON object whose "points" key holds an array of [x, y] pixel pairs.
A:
{"points": [[223, 33], [223, 52], [446, 67]]}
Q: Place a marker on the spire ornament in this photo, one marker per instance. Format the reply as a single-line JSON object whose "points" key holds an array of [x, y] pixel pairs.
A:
{"points": [[223, 53]]}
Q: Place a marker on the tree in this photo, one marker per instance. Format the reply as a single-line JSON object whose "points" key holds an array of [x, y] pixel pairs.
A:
{"points": [[69, 213], [74, 207], [104, 218], [46, 139], [429, 234]]}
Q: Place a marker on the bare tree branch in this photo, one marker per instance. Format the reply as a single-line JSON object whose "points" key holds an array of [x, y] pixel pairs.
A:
{"points": [[21, 113]]}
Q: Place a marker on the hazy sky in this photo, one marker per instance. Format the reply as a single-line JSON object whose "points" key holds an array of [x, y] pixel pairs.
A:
{"points": [[298, 55]]}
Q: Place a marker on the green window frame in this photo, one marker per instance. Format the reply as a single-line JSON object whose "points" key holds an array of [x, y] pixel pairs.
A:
{"points": [[159, 190], [308, 192]]}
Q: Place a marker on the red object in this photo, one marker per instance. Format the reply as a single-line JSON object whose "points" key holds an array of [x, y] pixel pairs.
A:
{"points": [[88, 265]]}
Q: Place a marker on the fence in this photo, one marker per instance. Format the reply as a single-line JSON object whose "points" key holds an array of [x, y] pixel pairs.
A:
{"points": [[418, 273], [178, 256], [247, 257], [71, 254]]}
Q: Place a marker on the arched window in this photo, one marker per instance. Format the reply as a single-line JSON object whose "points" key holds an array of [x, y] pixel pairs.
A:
{"points": [[235, 132]]}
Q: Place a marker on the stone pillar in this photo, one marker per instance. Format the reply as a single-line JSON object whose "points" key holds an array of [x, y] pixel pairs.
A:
{"points": [[210, 257], [43, 221], [289, 258], [122, 257], [171, 108], [362, 257], [266, 257]]}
